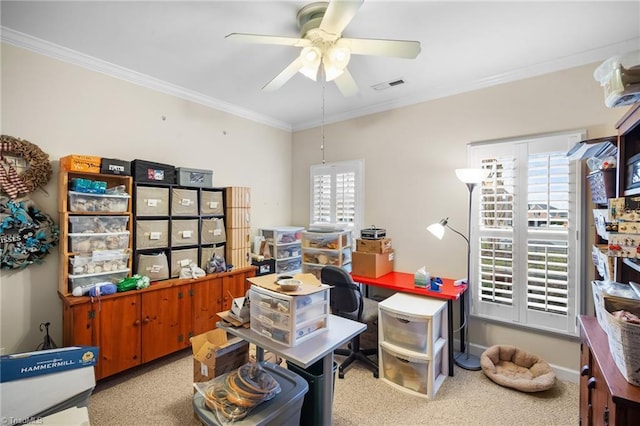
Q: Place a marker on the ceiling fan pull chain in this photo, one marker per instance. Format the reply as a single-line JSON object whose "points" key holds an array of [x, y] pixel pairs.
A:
{"points": [[322, 125]]}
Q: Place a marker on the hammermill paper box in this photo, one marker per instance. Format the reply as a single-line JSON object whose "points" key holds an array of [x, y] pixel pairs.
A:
{"points": [[214, 354]]}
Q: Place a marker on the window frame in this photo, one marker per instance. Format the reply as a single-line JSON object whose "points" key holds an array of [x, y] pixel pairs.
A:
{"points": [[332, 169], [518, 313]]}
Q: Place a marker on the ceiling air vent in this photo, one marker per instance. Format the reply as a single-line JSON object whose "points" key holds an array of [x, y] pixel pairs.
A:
{"points": [[388, 84]]}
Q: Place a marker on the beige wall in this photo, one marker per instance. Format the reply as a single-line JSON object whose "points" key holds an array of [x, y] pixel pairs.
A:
{"points": [[410, 155], [65, 109]]}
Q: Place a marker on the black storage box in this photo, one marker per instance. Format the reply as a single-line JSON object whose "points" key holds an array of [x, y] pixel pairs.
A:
{"points": [[147, 171], [112, 166], [373, 233], [265, 267]]}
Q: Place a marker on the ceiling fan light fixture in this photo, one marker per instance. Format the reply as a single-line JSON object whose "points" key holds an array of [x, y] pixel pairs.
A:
{"points": [[310, 57], [331, 72]]}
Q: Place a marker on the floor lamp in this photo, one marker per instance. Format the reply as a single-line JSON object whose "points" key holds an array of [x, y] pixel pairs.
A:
{"points": [[471, 177]]}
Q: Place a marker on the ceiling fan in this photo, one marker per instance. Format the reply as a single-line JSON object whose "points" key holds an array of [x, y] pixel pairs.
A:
{"points": [[321, 25]]}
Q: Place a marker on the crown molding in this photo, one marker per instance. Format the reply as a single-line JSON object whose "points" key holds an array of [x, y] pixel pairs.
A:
{"points": [[55, 51], [559, 64]]}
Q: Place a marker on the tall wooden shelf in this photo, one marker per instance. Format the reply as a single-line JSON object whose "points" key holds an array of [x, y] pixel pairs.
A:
{"points": [[65, 213]]}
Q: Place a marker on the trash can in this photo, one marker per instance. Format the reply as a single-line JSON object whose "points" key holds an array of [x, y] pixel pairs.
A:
{"points": [[312, 413]]}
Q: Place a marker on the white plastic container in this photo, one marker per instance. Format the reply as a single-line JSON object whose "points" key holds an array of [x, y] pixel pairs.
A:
{"points": [[88, 280], [83, 202], [99, 262], [620, 78], [288, 319], [88, 243], [97, 224], [417, 375]]}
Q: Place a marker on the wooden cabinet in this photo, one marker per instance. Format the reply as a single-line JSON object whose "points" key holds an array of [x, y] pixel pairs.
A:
{"points": [[627, 183], [606, 398], [136, 327]]}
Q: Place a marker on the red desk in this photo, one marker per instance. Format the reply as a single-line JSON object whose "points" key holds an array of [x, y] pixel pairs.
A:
{"points": [[404, 282]]}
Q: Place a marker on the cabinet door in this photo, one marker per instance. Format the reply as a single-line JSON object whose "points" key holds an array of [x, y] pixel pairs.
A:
{"points": [[603, 410], [233, 286], [586, 416], [166, 321], [78, 325], [118, 334], [206, 303]]}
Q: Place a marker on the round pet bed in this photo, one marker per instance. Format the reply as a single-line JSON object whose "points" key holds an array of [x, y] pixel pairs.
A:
{"points": [[515, 368]]}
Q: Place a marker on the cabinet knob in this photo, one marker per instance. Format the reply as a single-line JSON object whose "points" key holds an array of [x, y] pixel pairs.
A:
{"points": [[584, 371], [146, 320], [591, 383], [136, 323]]}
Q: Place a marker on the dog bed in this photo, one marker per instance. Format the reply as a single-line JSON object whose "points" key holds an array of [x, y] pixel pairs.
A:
{"points": [[515, 368]]}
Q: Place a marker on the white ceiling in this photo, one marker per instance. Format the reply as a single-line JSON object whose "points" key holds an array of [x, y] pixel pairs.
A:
{"points": [[180, 47]]}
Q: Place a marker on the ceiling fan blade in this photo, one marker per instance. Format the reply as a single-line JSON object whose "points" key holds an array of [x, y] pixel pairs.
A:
{"points": [[346, 84], [339, 14], [267, 39], [368, 46], [286, 74]]}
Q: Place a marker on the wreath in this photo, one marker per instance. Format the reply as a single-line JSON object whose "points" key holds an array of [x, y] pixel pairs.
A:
{"points": [[26, 233], [37, 174]]}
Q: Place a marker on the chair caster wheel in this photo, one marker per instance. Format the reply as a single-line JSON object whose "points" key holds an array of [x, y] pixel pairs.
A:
{"points": [[376, 375], [341, 375]]}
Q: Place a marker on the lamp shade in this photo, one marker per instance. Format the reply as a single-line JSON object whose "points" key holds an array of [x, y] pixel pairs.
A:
{"points": [[472, 175], [437, 229], [310, 57]]}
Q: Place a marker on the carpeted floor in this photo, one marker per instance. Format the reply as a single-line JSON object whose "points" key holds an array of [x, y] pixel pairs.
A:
{"points": [[161, 393]]}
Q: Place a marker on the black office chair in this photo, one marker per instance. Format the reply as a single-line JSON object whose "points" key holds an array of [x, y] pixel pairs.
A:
{"points": [[347, 301]]}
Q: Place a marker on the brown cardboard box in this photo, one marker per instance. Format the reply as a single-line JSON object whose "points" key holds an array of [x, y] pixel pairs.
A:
{"points": [[214, 354], [372, 265], [382, 245]]}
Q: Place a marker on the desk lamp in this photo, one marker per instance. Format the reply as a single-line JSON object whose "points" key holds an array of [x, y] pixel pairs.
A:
{"points": [[471, 177]]}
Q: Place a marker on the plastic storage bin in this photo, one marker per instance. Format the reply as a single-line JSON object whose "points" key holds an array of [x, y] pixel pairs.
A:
{"points": [[107, 203], [87, 242], [97, 224], [107, 261], [288, 319], [282, 410], [90, 279], [410, 332], [282, 235], [417, 374]]}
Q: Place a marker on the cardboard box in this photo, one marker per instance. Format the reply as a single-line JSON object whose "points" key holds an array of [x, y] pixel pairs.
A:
{"points": [[382, 245], [30, 364], [81, 163], [214, 354], [372, 265]]}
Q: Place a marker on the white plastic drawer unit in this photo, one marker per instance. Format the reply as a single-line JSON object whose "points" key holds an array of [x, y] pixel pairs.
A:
{"points": [[288, 319], [414, 323], [413, 373], [282, 235]]}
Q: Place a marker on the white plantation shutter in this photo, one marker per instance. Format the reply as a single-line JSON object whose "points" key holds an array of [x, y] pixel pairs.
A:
{"points": [[524, 231], [337, 194]]}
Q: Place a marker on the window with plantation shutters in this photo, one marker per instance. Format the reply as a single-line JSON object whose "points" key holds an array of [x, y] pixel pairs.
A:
{"points": [[524, 233], [336, 194]]}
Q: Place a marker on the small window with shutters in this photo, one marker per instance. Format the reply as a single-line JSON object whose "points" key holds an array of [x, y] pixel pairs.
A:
{"points": [[524, 233], [337, 194]]}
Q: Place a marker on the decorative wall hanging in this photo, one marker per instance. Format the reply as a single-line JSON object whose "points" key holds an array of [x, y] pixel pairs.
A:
{"points": [[26, 233]]}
